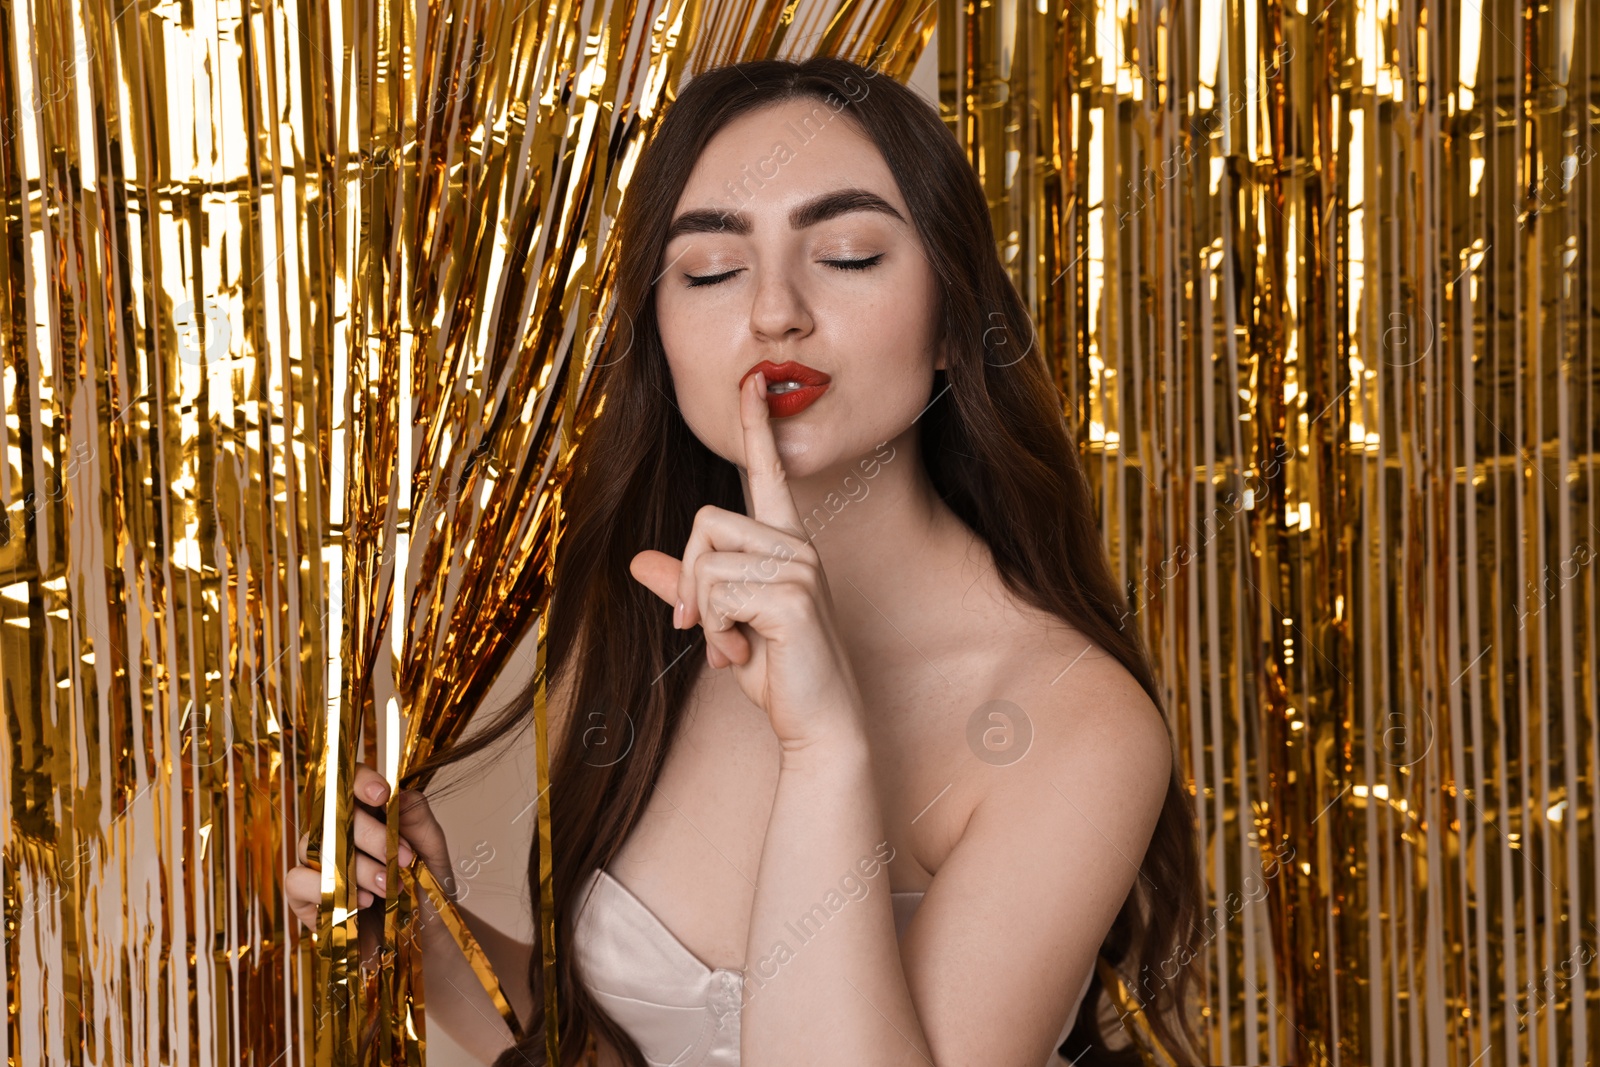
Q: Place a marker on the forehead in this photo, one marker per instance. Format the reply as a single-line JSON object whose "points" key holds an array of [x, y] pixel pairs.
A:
{"points": [[766, 161]]}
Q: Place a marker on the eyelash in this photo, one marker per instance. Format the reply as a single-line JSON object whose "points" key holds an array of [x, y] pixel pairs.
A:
{"points": [[695, 281]]}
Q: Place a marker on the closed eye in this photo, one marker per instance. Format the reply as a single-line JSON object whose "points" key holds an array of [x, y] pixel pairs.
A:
{"points": [[696, 280], [854, 264], [708, 279]]}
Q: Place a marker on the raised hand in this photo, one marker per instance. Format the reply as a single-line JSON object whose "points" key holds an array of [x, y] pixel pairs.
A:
{"points": [[755, 584]]}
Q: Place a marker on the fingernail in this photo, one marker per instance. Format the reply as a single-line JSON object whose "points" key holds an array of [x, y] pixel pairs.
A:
{"points": [[377, 791], [677, 616], [761, 383], [381, 879]]}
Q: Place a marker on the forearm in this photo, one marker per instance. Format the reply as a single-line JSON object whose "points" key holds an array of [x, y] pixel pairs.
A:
{"points": [[814, 952], [509, 958], [455, 998]]}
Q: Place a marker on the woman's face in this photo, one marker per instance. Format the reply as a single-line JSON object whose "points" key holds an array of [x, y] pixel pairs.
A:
{"points": [[791, 242]]}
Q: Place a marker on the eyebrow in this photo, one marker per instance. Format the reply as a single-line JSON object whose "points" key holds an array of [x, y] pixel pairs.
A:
{"points": [[818, 209]]}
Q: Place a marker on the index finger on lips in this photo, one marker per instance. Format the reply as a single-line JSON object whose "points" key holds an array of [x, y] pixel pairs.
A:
{"points": [[770, 499], [771, 503]]}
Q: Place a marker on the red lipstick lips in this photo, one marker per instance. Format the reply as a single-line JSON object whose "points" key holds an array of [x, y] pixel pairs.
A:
{"points": [[791, 387]]}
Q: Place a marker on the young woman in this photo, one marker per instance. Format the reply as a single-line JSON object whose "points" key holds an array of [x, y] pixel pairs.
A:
{"points": [[868, 767]]}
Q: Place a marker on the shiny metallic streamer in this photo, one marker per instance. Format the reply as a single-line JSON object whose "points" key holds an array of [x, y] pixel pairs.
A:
{"points": [[301, 305], [300, 308], [1320, 286]]}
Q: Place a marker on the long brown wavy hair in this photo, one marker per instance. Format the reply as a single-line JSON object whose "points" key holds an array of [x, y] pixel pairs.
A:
{"points": [[998, 450]]}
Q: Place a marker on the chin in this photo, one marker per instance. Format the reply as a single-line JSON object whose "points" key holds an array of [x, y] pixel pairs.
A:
{"points": [[804, 463], [801, 459]]}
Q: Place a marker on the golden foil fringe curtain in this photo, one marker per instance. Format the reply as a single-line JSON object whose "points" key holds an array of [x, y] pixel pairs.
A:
{"points": [[1321, 282], [299, 309]]}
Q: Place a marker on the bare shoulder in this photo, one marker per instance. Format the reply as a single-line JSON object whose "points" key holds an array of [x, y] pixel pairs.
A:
{"points": [[1051, 848], [1071, 694], [1088, 719]]}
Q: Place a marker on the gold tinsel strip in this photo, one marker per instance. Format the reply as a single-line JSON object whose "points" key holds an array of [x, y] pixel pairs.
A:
{"points": [[293, 299], [421, 877], [1131, 1015]]}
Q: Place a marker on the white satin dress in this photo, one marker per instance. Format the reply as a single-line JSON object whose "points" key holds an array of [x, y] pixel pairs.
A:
{"points": [[680, 1012]]}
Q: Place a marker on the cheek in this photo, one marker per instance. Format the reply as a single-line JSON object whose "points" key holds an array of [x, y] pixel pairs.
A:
{"points": [[678, 344], [893, 343], [701, 400], [905, 315], [691, 346]]}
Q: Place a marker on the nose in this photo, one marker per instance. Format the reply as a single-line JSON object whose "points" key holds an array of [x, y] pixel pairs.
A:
{"points": [[779, 311]]}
